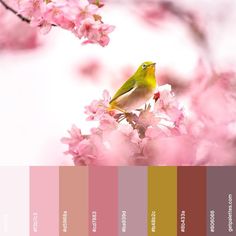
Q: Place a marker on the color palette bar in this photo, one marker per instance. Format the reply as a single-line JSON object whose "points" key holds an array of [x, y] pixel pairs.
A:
{"points": [[118, 201]]}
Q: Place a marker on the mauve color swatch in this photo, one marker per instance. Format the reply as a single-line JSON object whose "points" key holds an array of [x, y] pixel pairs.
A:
{"points": [[103, 201], [221, 203], [191, 218], [132, 201], [44, 201], [162, 201]]}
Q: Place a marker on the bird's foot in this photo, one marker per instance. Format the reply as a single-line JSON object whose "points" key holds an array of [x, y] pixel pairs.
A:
{"points": [[128, 116]]}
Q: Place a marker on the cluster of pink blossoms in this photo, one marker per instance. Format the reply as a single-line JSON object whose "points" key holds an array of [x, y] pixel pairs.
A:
{"points": [[78, 16], [127, 139]]}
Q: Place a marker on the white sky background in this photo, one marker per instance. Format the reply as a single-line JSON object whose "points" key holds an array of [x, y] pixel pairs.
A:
{"points": [[41, 96]]}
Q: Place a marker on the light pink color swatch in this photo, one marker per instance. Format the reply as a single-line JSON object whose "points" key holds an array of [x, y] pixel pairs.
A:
{"points": [[44, 201]]}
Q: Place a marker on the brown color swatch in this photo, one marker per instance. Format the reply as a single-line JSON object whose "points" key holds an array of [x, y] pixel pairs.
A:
{"points": [[73, 201], [191, 217]]}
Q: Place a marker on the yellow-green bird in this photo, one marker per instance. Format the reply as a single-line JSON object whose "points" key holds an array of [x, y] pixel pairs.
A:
{"points": [[138, 89]]}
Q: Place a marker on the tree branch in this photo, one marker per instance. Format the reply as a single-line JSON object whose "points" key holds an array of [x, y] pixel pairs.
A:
{"points": [[15, 12]]}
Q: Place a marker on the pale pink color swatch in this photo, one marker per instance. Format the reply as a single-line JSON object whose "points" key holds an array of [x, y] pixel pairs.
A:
{"points": [[14, 201]]}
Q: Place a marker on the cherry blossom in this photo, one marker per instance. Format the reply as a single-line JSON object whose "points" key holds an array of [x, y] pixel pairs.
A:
{"points": [[123, 139], [98, 108], [81, 17]]}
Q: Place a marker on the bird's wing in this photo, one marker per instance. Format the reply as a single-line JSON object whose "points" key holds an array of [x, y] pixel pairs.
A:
{"points": [[125, 88]]}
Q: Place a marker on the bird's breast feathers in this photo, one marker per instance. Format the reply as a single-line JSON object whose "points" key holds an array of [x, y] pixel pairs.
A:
{"points": [[135, 98]]}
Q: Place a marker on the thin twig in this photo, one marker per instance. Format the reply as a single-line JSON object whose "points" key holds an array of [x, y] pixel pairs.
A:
{"points": [[15, 12]]}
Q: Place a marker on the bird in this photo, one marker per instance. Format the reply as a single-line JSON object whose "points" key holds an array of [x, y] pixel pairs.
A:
{"points": [[137, 90]]}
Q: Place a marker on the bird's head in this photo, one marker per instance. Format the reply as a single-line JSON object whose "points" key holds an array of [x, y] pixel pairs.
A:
{"points": [[146, 69]]}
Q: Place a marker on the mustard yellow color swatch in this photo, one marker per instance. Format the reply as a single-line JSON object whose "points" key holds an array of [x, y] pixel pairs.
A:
{"points": [[162, 201]]}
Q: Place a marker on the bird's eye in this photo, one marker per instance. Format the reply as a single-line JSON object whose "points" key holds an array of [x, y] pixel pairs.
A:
{"points": [[144, 66]]}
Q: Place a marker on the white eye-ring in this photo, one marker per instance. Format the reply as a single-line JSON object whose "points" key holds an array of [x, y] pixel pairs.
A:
{"points": [[144, 66]]}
